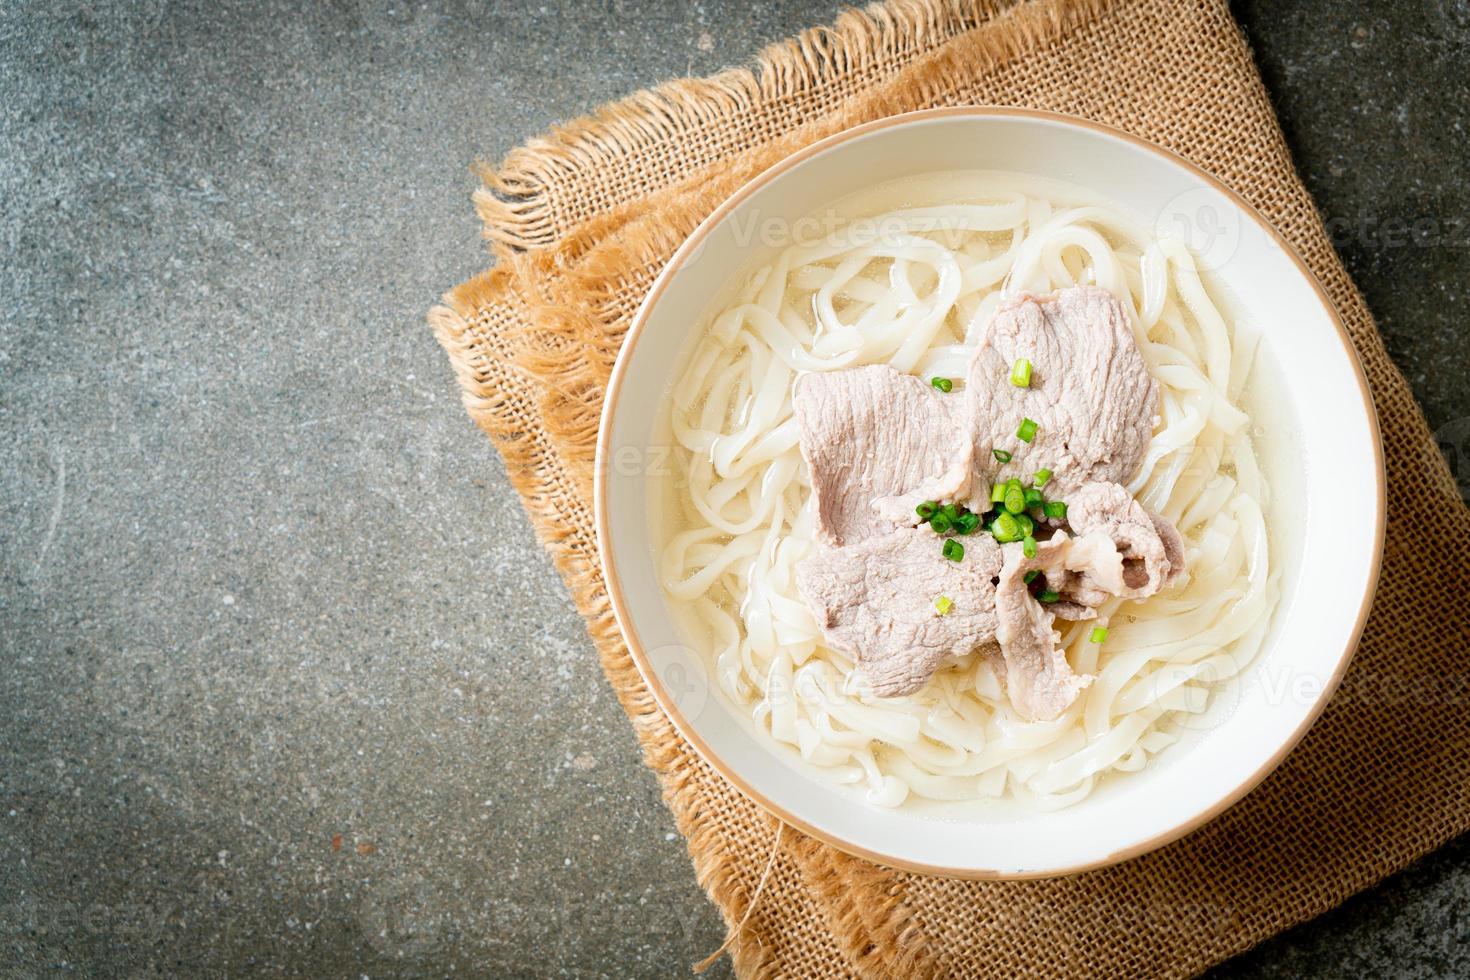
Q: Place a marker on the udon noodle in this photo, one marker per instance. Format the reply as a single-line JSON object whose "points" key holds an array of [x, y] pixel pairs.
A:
{"points": [[909, 274]]}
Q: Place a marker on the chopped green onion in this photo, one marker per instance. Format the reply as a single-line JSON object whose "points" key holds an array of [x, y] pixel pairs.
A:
{"points": [[950, 511], [967, 523], [1048, 596], [1033, 497], [939, 523], [1027, 431], [998, 493], [942, 605], [1099, 633], [953, 550], [1055, 508], [1028, 546], [1015, 501], [943, 384], [1005, 528], [1030, 576], [1001, 455], [926, 510], [1021, 373], [1041, 477], [1028, 526]]}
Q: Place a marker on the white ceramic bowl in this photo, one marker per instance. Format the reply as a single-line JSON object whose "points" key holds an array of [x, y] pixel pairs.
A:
{"points": [[1331, 471]]}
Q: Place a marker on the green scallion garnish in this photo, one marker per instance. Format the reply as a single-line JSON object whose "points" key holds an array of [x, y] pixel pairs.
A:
{"points": [[967, 523], [953, 550], [1028, 546], [1033, 497], [943, 384], [1099, 633], [1005, 528], [1027, 431], [1055, 509], [942, 605], [1015, 500], [1021, 373], [1041, 477], [1030, 576], [1028, 526], [1001, 455], [926, 510], [1048, 596], [997, 493], [939, 523], [950, 511]]}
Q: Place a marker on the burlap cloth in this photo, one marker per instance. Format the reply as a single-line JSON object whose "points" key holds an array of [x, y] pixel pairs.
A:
{"points": [[582, 220]]}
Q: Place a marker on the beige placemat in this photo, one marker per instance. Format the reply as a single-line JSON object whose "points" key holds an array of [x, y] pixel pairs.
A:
{"points": [[582, 220]]}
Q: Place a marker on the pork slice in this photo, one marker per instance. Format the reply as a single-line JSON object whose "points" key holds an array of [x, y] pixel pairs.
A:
{"points": [[1079, 598], [877, 444], [1091, 394], [875, 601], [1039, 682], [1121, 548], [1053, 560]]}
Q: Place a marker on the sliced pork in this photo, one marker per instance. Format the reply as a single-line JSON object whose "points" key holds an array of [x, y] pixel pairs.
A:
{"points": [[1117, 548], [1039, 682], [1121, 548], [877, 443], [875, 601], [1090, 394]]}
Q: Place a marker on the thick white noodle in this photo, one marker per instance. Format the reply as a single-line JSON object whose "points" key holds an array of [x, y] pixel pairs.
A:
{"points": [[913, 286]]}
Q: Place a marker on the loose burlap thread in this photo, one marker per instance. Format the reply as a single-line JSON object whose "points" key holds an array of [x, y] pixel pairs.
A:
{"points": [[582, 220]]}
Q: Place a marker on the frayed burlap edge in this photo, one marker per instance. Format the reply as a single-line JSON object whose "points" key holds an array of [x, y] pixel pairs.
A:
{"points": [[517, 202]]}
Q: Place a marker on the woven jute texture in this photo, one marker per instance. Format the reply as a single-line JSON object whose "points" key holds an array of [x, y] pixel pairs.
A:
{"points": [[582, 220]]}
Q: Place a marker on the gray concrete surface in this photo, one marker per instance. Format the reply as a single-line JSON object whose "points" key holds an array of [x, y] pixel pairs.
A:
{"points": [[266, 598]]}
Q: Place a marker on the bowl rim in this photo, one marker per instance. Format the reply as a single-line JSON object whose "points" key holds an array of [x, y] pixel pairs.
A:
{"points": [[614, 583]]}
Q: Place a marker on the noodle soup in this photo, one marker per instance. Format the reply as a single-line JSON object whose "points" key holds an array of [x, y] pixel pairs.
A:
{"points": [[909, 274]]}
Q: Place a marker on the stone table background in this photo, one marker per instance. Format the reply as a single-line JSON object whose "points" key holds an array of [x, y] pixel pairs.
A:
{"points": [[286, 686]]}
